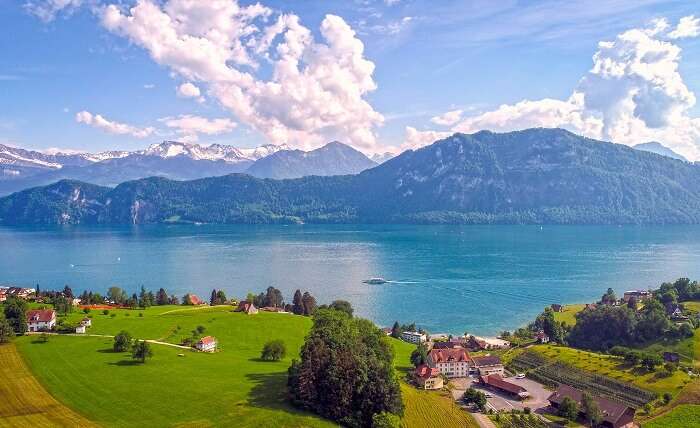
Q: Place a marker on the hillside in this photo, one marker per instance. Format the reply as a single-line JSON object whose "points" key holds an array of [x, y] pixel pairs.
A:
{"points": [[659, 149], [332, 159], [531, 176]]}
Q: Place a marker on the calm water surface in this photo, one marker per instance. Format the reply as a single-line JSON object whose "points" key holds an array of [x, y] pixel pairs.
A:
{"points": [[480, 279]]}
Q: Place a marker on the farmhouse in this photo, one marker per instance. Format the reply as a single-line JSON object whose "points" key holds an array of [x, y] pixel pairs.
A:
{"points": [[428, 377], [615, 415], [41, 319], [247, 307], [206, 344], [672, 357], [413, 337], [557, 308], [542, 337], [450, 362], [486, 343], [488, 365], [638, 295], [497, 382]]}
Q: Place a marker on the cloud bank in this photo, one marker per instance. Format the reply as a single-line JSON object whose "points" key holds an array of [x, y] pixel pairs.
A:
{"points": [[112, 127]]}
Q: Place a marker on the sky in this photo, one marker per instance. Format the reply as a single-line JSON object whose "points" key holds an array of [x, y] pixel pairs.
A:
{"points": [[380, 75]]}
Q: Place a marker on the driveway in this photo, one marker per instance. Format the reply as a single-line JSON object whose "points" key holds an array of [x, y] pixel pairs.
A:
{"points": [[499, 400]]}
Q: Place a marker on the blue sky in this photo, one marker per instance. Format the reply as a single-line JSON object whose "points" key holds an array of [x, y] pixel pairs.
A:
{"points": [[429, 57]]}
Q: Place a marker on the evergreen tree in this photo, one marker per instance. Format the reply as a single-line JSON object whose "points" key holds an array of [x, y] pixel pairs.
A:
{"points": [[297, 304], [221, 297], [16, 314], [67, 292], [213, 300], [396, 330], [162, 297], [6, 331]]}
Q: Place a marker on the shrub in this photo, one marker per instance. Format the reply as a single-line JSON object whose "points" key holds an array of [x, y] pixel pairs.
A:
{"points": [[274, 350], [122, 342], [385, 420], [105, 312], [86, 310]]}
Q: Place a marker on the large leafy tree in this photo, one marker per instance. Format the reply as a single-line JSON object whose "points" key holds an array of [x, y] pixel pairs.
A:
{"points": [[419, 355], [162, 297], [309, 303], [16, 314], [342, 305], [141, 351], [568, 409], [346, 371], [273, 350], [603, 327], [6, 331], [122, 342]]}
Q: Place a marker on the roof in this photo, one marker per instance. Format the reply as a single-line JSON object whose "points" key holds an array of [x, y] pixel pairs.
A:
{"points": [[207, 340], [449, 355], [497, 381], [425, 372], [244, 305], [446, 345], [488, 360], [40, 315], [195, 299], [612, 410], [412, 333]]}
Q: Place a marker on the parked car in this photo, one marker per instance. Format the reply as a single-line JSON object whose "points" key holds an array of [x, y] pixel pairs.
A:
{"points": [[520, 376]]}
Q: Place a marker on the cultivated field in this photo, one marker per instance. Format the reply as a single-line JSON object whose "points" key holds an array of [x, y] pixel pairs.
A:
{"points": [[24, 402]]}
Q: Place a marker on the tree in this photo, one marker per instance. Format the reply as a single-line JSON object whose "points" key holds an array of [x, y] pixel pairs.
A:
{"points": [[274, 350], [568, 409], [43, 338], [343, 306], [6, 331], [396, 330], [122, 342], [213, 300], [603, 327], [142, 350], [161, 297], [473, 396], [16, 314], [546, 322], [221, 297], [187, 300], [67, 292], [652, 322], [145, 298], [201, 329], [632, 358], [632, 303], [297, 304], [346, 372], [273, 298], [116, 295], [385, 420], [590, 408], [650, 361], [419, 355], [309, 303], [609, 297]]}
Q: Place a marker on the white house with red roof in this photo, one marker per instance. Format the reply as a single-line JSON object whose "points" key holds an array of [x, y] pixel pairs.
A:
{"points": [[206, 344], [428, 377], [41, 319], [451, 362]]}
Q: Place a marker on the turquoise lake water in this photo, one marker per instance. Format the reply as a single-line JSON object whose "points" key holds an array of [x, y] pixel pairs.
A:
{"points": [[480, 279]]}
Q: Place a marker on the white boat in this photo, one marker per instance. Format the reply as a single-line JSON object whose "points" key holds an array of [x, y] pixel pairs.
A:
{"points": [[375, 281]]}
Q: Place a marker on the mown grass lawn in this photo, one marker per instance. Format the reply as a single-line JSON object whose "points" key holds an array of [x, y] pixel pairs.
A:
{"points": [[230, 387], [568, 316], [613, 367], [683, 416]]}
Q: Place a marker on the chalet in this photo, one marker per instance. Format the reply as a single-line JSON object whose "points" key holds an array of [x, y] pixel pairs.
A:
{"points": [[614, 414], [542, 337], [41, 319], [557, 308], [487, 365], [672, 357], [87, 322], [450, 362], [428, 377], [497, 382], [80, 329], [247, 307], [638, 295], [206, 344], [413, 337]]}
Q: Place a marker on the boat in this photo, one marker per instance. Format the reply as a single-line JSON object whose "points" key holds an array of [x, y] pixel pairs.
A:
{"points": [[375, 281]]}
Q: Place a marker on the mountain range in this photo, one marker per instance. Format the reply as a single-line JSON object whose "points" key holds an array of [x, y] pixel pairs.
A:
{"points": [[659, 149], [530, 176], [21, 169]]}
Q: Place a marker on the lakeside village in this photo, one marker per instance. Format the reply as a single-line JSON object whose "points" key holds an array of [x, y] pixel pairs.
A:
{"points": [[521, 376]]}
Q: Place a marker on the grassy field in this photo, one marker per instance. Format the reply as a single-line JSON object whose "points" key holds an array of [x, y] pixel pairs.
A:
{"points": [[24, 402], [683, 416], [612, 367], [202, 389], [569, 314]]}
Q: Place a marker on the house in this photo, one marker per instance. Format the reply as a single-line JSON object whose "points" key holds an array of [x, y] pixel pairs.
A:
{"points": [[387, 330], [3, 294], [41, 319], [496, 381], [487, 365], [638, 295], [675, 312], [196, 300], [247, 307], [451, 362], [20, 292], [590, 306], [672, 357], [76, 302], [413, 337], [477, 343], [87, 322], [80, 329], [428, 377], [614, 414], [439, 337], [557, 308], [450, 344], [206, 344], [542, 337]]}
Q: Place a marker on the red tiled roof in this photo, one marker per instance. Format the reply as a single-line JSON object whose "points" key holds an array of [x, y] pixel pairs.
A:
{"points": [[195, 300], [612, 410], [425, 372], [449, 355], [497, 381], [207, 340], [40, 315]]}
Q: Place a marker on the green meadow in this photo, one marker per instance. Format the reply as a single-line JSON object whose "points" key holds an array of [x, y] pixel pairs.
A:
{"points": [[185, 388]]}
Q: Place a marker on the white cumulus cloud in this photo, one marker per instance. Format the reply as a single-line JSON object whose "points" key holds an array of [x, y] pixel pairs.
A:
{"points": [[189, 90], [189, 126], [315, 90], [112, 127], [688, 26], [46, 10], [632, 94], [448, 119]]}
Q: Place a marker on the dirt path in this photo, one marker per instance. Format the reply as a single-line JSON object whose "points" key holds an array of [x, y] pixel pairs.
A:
{"points": [[483, 420], [157, 342]]}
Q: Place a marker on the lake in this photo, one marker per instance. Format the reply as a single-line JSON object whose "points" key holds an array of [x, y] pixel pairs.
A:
{"points": [[480, 279]]}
